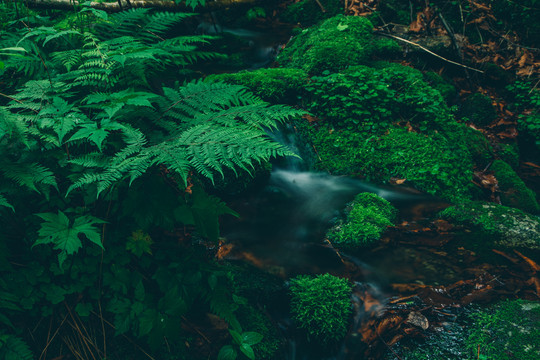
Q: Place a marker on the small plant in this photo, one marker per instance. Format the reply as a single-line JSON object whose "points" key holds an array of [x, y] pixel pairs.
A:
{"points": [[514, 192], [367, 219], [243, 341], [321, 305]]}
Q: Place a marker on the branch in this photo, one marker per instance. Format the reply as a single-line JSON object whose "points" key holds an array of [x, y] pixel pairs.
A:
{"points": [[123, 4], [428, 51]]}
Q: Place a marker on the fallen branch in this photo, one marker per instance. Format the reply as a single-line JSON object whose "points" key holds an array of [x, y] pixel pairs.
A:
{"points": [[428, 51]]}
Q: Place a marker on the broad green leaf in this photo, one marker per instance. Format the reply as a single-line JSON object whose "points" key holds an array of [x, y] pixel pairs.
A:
{"points": [[251, 338], [237, 337], [248, 351], [227, 353], [57, 230]]}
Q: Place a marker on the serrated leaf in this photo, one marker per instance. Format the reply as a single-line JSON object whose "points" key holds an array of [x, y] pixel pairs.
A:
{"points": [[56, 230]]}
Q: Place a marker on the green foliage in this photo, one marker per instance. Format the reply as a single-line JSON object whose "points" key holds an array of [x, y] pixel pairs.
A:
{"points": [[519, 16], [497, 224], [506, 331], [321, 305], [444, 86], [433, 164], [368, 216], [14, 348], [243, 341], [277, 85], [509, 153], [478, 109], [369, 100], [476, 143], [526, 101], [58, 230], [253, 318], [332, 45], [308, 12], [514, 192]]}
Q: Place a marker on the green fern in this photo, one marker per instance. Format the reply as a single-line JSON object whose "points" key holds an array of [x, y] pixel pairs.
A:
{"points": [[14, 348]]}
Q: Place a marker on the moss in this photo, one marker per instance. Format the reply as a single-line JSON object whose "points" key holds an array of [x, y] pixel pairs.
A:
{"points": [[308, 12], [332, 45], [447, 90], [514, 192], [504, 226], [321, 305], [509, 153], [529, 125], [430, 163], [255, 285], [368, 217], [478, 109], [507, 331], [252, 319], [477, 144], [279, 85], [370, 99]]}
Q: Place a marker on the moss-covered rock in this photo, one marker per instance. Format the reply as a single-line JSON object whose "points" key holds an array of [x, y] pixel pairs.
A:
{"points": [[509, 153], [278, 85], [370, 99], [478, 145], [514, 192], [321, 305], [333, 45], [445, 87], [433, 164], [308, 12], [368, 216], [500, 225], [478, 109], [508, 330]]}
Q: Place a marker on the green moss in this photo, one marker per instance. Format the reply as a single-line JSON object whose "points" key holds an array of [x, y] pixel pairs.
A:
{"points": [[369, 99], [529, 125], [509, 153], [432, 164], [255, 285], [447, 89], [308, 12], [332, 45], [478, 109], [279, 85], [252, 319], [321, 305], [368, 217], [477, 144], [514, 192], [507, 331], [503, 226]]}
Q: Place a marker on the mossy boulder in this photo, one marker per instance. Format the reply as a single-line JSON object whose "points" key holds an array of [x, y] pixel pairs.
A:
{"points": [[308, 12], [370, 99], [433, 164], [333, 45], [476, 143], [514, 192], [509, 153], [478, 109], [508, 330], [499, 225], [445, 87], [321, 305], [253, 319], [367, 218], [278, 85]]}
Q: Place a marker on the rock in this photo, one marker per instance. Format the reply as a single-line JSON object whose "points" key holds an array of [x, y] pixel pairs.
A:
{"points": [[417, 319]]}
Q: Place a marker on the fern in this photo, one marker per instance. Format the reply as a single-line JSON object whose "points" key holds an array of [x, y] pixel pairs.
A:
{"points": [[30, 175], [14, 348]]}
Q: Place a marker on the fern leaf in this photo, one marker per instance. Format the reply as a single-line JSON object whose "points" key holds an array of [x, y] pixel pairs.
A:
{"points": [[5, 203], [29, 175], [14, 348]]}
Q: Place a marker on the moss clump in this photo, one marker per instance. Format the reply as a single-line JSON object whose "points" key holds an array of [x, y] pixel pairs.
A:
{"points": [[371, 99], [478, 109], [502, 225], [514, 192], [477, 144], [507, 331], [308, 12], [279, 85], [433, 164], [252, 319], [367, 218], [509, 153], [321, 305], [447, 90], [332, 45]]}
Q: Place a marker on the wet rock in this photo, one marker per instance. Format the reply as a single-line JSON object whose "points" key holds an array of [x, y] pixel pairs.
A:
{"points": [[417, 319]]}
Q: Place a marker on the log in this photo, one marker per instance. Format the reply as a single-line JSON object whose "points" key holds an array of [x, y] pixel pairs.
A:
{"points": [[120, 5]]}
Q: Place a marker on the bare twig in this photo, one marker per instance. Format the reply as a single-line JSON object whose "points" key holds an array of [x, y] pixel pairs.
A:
{"points": [[428, 51], [321, 6]]}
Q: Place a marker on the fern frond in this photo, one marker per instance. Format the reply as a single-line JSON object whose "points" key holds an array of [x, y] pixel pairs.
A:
{"points": [[28, 175], [14, 348]]}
